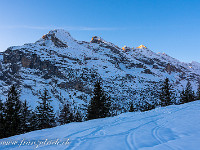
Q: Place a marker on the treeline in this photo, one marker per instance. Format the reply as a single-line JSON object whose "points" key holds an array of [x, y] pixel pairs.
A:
{"points": [[16, 117], [166, 96]]}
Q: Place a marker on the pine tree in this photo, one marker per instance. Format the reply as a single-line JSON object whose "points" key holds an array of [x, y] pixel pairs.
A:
{"points": [[189, 92], [13, 112], [99, 105], [187, 95], [198, 92], [65, 115], [26, 119], [2, 121], [45, 114], [166, 95], [183, 97], [34, 123]]}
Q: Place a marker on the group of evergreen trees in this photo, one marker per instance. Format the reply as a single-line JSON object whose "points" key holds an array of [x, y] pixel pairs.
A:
{"points": [[188, 95], [16, 117], [166, 96], [99, 107], [12, 119], [67, 115]]}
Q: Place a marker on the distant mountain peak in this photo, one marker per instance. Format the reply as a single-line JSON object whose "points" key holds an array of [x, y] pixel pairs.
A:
{"points": [[57, 32], [59, 37], [126, 48], [141, 47], [97, 39]]}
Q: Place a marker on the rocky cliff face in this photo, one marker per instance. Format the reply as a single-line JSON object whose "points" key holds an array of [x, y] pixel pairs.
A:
{"points": [[68, 69]]}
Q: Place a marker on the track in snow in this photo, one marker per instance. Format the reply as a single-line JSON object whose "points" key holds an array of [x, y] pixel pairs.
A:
{"points": [[156, 129]]}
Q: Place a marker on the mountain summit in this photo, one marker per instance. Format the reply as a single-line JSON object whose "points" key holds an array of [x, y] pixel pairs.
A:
{"points": [[59, 33], [141, 46]]}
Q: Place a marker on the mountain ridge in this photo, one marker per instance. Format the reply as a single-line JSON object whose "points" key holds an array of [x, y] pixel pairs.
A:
{"points": [[68, 69]]}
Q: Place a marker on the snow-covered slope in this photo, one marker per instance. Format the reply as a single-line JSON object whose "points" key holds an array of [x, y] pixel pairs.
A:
{"points": [[174, 127], [68, 69]]}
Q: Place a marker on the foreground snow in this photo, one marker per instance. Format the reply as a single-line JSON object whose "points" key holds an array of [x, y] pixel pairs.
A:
{"points": [[173, 127]]}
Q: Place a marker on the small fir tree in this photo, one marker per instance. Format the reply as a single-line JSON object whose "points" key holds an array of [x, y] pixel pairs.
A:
{"points": [[12, 112], [166, 95], [45, 113], [65, 115], [198, 92], [183, 97], [34, 123], [100, 104], [27, 118], [187, 95], [2, 121]]}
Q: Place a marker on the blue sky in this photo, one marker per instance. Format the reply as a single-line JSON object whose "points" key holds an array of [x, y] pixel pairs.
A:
{"points": [[170, 26]]}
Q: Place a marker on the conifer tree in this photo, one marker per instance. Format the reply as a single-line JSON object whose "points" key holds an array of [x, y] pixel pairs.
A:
{"points": [[13, 112], [45, 114], [99, 105], [26, 118], [166, 95], [34, 123], [198, 92], [188, 94], [183, 97], [65, 115], [2, 121]]}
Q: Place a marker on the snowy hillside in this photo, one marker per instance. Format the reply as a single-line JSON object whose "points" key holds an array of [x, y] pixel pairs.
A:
{"points": [[173, 127], [68, 68]]}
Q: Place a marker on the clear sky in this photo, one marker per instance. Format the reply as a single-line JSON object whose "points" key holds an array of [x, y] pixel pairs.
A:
{"points": [[170, 26]]}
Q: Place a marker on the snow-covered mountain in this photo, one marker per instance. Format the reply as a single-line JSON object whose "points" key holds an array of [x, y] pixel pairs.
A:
{"points": [[174, 127], [67, 68]]}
